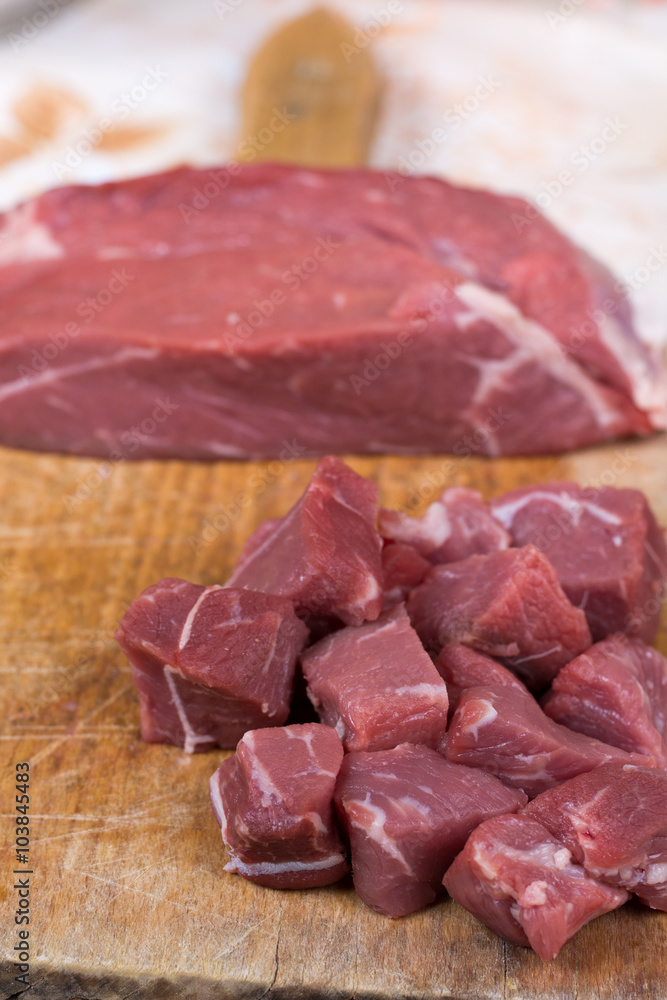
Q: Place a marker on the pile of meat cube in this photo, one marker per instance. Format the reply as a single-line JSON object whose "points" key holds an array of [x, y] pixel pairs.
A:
{"points": [[493, 720]]}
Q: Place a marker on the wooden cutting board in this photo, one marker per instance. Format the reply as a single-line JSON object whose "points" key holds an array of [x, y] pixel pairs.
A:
{"points": [[128, 894]]}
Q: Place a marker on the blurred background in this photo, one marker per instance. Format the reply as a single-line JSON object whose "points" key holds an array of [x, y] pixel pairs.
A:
{"points": [[563, 101]]}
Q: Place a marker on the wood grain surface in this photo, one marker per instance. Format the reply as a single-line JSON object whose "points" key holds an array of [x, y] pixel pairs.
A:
{"points": [[129, 894]]}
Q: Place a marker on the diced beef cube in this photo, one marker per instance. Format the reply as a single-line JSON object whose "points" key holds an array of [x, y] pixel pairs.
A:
{"points": [[522, 883], [325, 554], [407, 813], [507, 604], [605, 545], [506, 733], [273, 799], [376, 685], [404, 569], [616, 692], [614, 820], [210, 662], [461, 667], [456, 526]]}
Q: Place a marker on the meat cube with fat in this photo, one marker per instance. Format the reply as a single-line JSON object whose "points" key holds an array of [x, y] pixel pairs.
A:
{"points": [[210, 663], [376, 685], [605, 545], [508, 605], [407, 813], [506, 733], [523, 884], [614, 820], [461, 667], [325, 554], [273, 799], [456, 526], [616, 692], [404, 569]]}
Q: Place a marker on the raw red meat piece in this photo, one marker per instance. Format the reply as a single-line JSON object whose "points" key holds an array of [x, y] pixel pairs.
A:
{"points": [[461, 667], [210, 662], [325, 554], [407, 813], [617, 692], [507, 734], [403, 569], [522, 883], [605, 545], [273, 800], [614, 820], [456, 526], [376, 685], [507, 604], [291, 311]]}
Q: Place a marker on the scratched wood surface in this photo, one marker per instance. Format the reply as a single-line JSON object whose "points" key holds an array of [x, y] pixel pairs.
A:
{"points": [[129, 893]]}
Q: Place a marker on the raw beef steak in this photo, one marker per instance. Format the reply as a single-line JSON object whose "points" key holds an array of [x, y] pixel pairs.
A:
{"points": [[614, 820], [507, 604], [377, 686], [269, 310], [522, 883], [210, 662], [403, 569], [407, 813], [506, 733], [605, 545], [617, 692], [325, 554], [273, 800], [461, 667], [458, 525]]}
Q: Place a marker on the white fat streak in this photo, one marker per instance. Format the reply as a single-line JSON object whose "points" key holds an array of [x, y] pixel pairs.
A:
{"points": [[191, 737], [537, 656], [218, 807], [374, 830], [644, 370], [259, 774], [436, 691], [52, 374], [506, 512], [276, 868], [187, 627], [656, 873], [25, 239], [533, 342], [488, 715], [535, 894]]}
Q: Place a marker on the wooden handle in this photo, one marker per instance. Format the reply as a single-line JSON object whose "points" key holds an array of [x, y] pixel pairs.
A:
{"points": [[311, 95]]}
